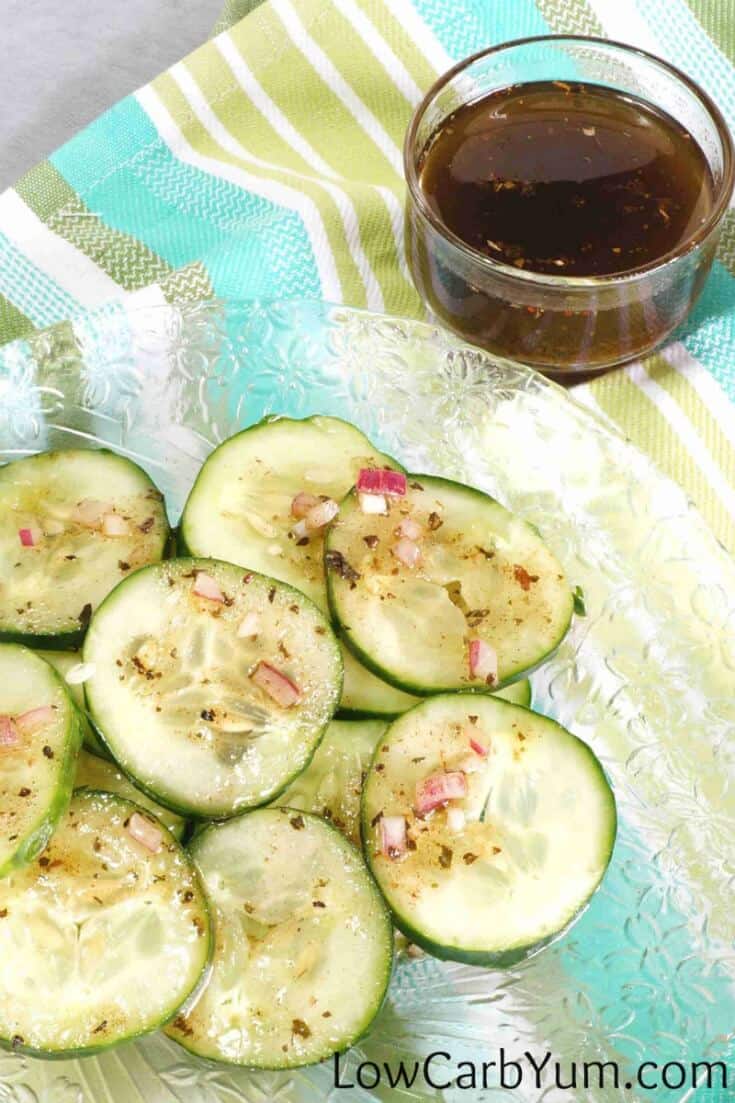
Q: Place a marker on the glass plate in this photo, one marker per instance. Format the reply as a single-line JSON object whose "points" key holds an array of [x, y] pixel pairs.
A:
{"points": [[646, 678]]}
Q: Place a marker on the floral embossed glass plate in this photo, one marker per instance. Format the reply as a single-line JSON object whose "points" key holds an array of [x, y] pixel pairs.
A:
{"points": [[647, 678]]}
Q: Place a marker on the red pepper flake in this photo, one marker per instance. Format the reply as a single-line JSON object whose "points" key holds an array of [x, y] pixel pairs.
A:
{"points": [[335, 561], [523, 578], [445, 858]]}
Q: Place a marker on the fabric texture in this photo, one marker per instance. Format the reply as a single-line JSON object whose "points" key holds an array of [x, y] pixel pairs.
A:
{"points": [[268, 164]]}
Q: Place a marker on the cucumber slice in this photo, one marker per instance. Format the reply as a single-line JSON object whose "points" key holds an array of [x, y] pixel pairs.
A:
{"points": [[331, 785], [96, 773], [177, 691], [483, 574], [538, 832], [365, 695], [64, 661], [102, 939], [239, 508], [39, 740], [72, 524], [304, 944], [517, 693]]}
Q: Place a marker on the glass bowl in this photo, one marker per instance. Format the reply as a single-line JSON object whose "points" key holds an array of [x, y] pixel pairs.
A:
{"points": [[559, 324], [646, 678]]}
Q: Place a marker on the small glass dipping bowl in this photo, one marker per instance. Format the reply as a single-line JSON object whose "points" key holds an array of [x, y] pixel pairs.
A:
{"points": [[563, 325]]}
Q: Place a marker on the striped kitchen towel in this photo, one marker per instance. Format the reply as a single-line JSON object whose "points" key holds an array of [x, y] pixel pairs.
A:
{"points": [[268, 164]]}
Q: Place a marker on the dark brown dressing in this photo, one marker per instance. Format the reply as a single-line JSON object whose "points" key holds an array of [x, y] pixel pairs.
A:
{"points": [[567, 179]]}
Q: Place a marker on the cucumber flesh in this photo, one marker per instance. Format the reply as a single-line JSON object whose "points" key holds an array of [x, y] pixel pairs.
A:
{"points": [[102, 939], [175, 692], [60, 501], [37, 757], [304, 945], [483, 575], [538, 831], [331, 785], [239, 508], [64, 661], [365, 695], [94, 772]]}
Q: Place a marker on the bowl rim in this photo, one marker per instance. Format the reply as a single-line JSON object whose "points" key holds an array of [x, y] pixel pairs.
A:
{"points": [[569, 283]]}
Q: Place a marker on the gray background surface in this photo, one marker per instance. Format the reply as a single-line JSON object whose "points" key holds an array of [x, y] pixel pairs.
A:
{"points": [[62, 62]]}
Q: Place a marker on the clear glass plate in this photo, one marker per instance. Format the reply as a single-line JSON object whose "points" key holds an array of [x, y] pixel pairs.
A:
{"points": [[647, 678]]}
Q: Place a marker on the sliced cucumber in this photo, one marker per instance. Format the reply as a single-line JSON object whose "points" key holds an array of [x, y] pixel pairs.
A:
{"points": [[483, 575], [240, 510], [304, 945], [331, 785], [64, 661], [40, 737], [72, 524], [96, 773], [177, 690], [104, 938], [494, 874], [365, 695], [517, 693]]}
